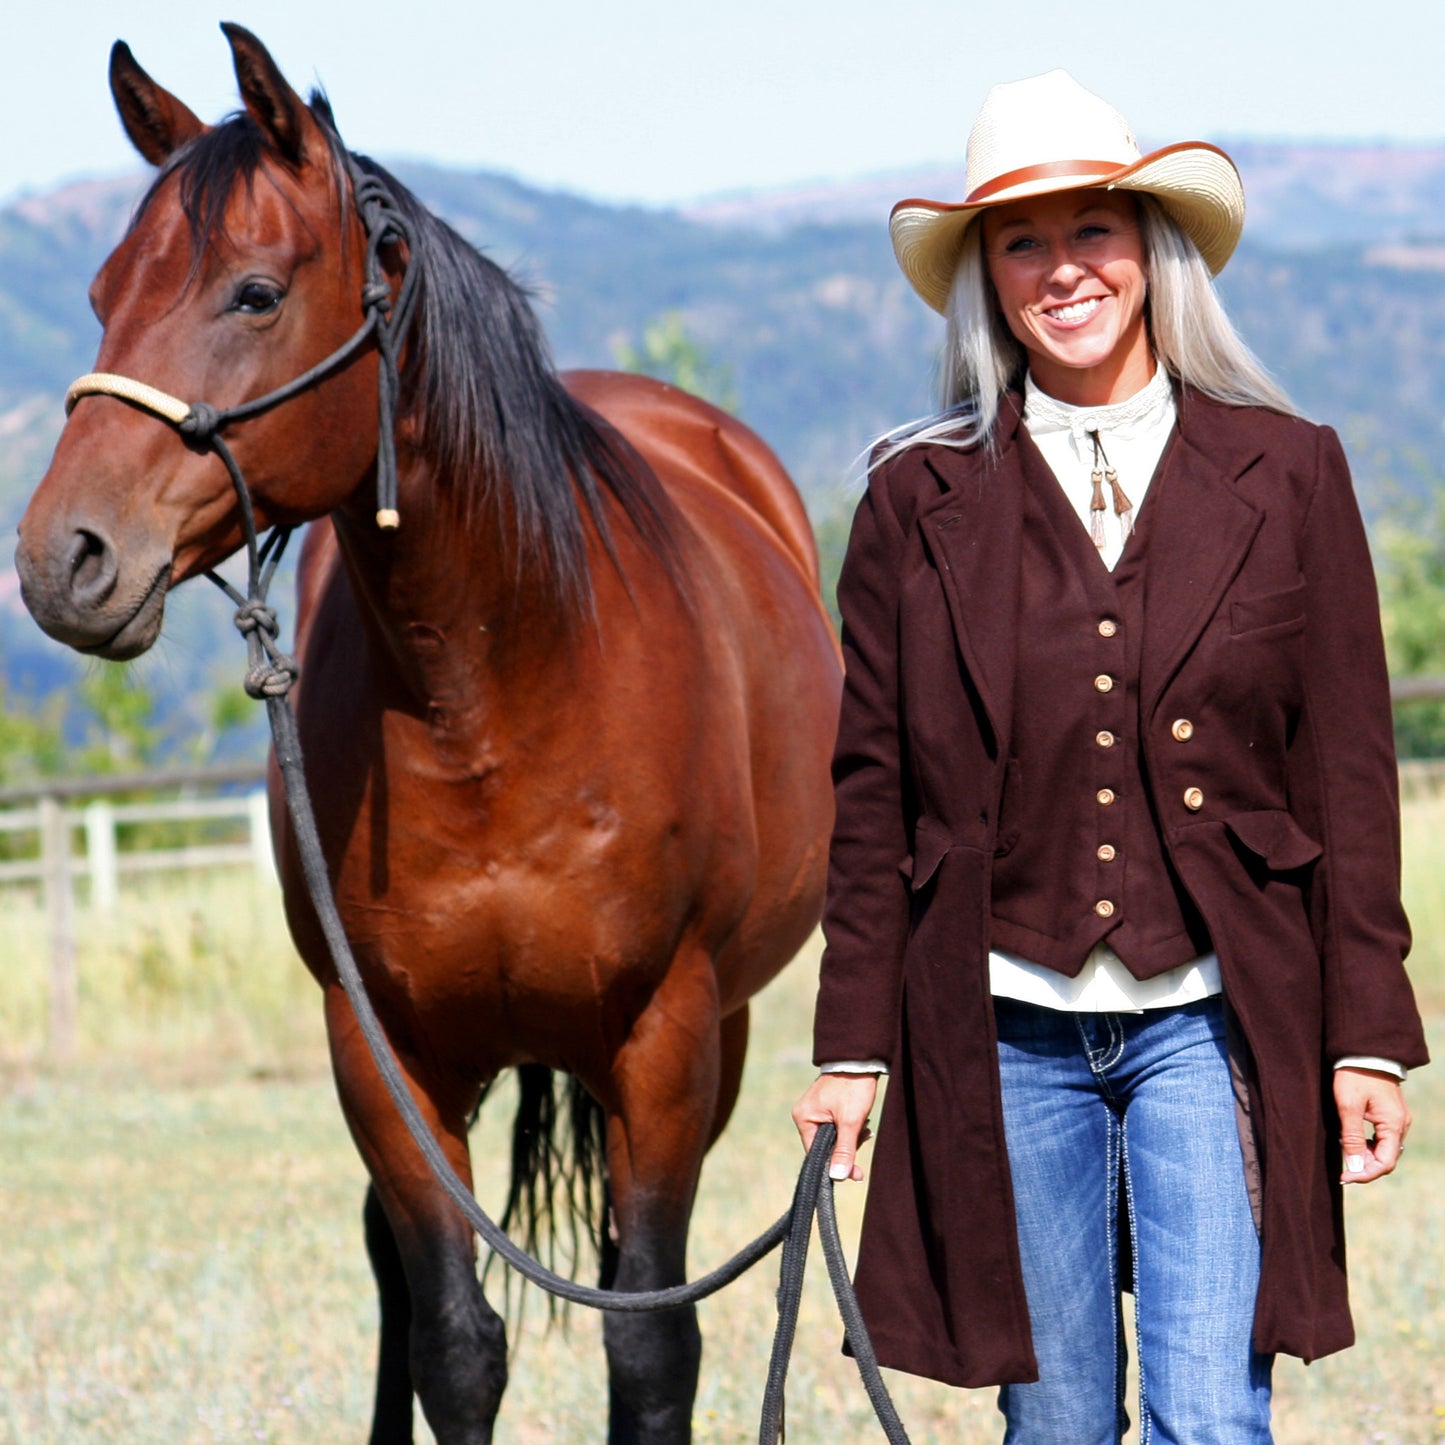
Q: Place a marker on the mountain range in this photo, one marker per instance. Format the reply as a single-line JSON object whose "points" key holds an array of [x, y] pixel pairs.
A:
{"points": [[1339, 286]]}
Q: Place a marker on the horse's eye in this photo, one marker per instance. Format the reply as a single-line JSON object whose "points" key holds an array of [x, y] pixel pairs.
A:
{"points": [[256, 298]]}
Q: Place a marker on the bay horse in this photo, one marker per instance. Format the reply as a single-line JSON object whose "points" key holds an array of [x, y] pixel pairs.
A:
{"points": [[566, 728]]}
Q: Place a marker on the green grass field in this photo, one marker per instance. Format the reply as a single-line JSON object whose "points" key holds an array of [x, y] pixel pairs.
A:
{"points": [[182, 1257]]}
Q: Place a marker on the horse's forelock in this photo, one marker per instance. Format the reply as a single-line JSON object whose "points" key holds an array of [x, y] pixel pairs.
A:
{"points": [[210, 167]]}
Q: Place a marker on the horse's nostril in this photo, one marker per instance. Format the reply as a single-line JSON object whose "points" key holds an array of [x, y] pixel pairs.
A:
{"points": [[92, 569]]}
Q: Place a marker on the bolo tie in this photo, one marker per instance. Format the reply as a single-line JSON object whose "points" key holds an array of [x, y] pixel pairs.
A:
{"points": [[1123, 507]]}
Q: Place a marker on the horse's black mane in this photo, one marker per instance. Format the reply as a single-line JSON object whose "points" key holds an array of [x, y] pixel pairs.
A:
{"points": [[494, 420]]}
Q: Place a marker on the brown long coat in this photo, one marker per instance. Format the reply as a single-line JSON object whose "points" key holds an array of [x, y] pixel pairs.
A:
{"points": [[1262, 626]]}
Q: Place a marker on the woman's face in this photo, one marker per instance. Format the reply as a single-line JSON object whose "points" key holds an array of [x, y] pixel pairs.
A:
{"points": [[1068, 272]]}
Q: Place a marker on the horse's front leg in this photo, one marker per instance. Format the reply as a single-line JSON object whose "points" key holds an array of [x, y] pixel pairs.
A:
{"points": [[456, 1347], [666, 1087]]}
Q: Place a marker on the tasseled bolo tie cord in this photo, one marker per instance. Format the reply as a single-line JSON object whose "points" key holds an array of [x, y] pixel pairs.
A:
{"points": [[1123, 507]]}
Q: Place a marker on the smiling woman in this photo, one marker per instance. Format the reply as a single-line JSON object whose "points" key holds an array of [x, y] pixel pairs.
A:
{"points": [[1116, 697]]}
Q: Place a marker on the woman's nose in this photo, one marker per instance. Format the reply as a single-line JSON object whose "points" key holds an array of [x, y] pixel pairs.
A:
{"points": [[1065, 270]]}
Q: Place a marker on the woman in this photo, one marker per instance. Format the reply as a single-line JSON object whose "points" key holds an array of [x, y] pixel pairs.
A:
{"points": [[1116, 698]]}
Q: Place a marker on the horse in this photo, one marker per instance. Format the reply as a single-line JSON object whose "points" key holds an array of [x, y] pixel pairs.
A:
{"points": [[567, 726]]}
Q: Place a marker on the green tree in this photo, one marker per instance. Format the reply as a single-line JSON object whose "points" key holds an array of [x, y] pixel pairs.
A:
{"points": [[121, 731], [229, 709], [670, 353], [831, 526], [32, 737], [1411, 554]]}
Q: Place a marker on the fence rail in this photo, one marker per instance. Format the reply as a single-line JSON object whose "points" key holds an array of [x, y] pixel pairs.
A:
{"points": [[56, 864], [40, 811]]}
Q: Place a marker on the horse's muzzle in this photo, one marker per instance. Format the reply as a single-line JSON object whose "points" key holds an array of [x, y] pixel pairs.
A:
{"points": [[81, 595]]}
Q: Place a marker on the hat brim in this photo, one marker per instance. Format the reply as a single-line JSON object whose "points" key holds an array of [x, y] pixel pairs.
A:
{"points": [[1195, 182]]}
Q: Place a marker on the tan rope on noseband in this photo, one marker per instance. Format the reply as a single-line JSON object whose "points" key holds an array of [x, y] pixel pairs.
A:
{"points": [[108, 383]]}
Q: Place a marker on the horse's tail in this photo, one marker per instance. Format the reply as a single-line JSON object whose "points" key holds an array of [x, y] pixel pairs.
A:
{"points": [[557, 1199]]}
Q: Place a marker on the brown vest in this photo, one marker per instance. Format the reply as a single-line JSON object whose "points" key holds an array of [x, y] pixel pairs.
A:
{"points": [[1081, 859]]}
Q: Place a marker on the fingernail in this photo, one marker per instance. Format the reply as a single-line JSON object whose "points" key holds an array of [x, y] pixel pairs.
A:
{"points": [[839, 1171], [1355, 1164]]}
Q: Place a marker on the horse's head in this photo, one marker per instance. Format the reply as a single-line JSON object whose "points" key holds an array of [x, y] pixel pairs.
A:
{"points": [[243, 267]]}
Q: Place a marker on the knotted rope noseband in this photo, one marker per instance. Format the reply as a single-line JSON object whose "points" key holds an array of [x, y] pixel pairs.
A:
{"points": [[269, 677]]}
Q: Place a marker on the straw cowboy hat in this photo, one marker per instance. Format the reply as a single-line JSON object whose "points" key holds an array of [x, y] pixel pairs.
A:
{"points": [[1047, 134]]}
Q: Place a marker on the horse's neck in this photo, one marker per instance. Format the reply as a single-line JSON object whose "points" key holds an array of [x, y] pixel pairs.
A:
{"points": [[440, 601]]}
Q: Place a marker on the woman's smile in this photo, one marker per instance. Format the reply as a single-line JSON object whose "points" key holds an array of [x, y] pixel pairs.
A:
{"points": [[1075, 313]]}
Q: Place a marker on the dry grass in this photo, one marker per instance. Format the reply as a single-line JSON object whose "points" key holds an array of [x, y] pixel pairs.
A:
{"points": [[183, 1256]]}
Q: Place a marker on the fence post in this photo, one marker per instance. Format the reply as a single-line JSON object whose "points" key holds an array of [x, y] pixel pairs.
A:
{"points": [[263, 860], [60, 906], [100, 856]]}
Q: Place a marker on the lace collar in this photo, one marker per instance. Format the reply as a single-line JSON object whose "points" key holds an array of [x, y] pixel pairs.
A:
{"points": [[1151, 407]]}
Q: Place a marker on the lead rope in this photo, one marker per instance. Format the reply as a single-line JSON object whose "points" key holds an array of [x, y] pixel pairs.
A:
{"points": [[270, 675]]}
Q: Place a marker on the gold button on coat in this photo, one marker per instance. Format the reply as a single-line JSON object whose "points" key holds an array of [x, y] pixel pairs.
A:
{"points": [[1105, 796], [1108, 627], [1182, 729], [1104, 908], [1106, 853], [1194, 799], [1104, 683], [1104, 739]]}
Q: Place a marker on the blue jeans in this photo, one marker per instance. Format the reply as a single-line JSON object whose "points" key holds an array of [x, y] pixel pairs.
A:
{"points": [[1100, 1107]]}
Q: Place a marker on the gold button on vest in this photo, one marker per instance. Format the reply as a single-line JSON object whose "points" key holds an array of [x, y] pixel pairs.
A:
{"points": [[1182, 729], [1108, 627], [1105, 796], [1104, 739], [1104, 683], [1104, 908], [1106, 853], [1194, 799]]}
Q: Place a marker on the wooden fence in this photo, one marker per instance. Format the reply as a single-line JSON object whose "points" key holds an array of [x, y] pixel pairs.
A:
{"points": [[49, 818], [56, 813]]}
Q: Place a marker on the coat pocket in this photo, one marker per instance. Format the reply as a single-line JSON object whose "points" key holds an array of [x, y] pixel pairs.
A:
{"points": [[1270, 615], [930, 843], [1274, 838]]}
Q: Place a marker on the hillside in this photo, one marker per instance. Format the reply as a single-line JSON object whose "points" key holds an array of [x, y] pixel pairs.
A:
{"points": [[1340, 287]]}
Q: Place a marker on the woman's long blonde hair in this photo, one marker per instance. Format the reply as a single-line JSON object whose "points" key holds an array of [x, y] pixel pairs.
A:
{"points": [[1191, 336]]}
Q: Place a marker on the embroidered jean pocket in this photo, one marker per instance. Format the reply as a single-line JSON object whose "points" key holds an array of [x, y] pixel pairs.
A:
{"points": [[1272, 615]]}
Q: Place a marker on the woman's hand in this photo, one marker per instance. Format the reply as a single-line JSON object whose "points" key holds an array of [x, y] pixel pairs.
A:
{"points": [[844, 1100], [1367, 1096]]}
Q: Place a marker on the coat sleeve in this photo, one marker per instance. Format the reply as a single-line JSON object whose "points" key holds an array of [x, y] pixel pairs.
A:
{"points": [[1346, 740], [865, 921]]}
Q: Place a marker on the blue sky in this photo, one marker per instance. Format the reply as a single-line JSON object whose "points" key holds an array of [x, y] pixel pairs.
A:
{"points": [[667, 100]]}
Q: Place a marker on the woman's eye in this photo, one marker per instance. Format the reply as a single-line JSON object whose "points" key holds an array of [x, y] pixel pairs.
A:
{"points": [[256, 298], [1093, 232], [1019, 245]]}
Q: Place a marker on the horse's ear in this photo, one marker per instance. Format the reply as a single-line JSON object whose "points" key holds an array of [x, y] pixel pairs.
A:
{"points": [[273, 105], [157, 123]]}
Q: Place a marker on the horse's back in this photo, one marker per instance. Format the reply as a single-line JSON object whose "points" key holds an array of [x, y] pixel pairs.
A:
{"points": [[679, 434]]}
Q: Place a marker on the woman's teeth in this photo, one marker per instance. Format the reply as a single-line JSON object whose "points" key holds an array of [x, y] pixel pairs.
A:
{"points": [[1075, 310]]}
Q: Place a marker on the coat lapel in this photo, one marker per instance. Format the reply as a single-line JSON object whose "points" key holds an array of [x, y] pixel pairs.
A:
{"points": [[1200, 530], [974, 535]]}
